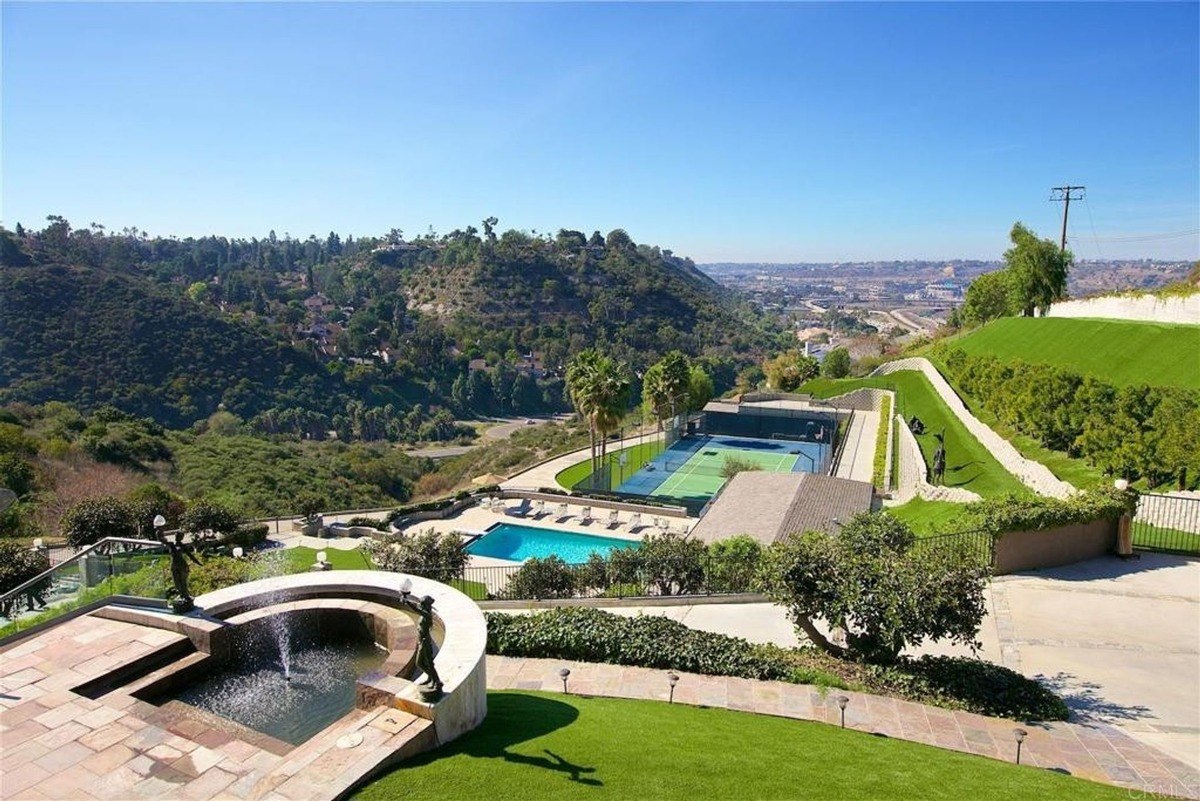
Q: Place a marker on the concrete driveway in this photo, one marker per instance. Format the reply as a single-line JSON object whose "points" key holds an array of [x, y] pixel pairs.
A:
{"points": [[1120, 641]]}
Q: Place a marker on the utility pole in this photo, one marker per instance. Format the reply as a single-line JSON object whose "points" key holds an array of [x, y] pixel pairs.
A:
{"points": [[1062, 194]]}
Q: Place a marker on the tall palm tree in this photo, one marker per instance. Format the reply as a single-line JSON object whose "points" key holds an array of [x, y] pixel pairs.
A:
{"points": [[599, 389], [584, 391]]}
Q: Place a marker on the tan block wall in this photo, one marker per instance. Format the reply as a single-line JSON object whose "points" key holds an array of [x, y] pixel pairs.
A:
{"points": [[1027, 550]]}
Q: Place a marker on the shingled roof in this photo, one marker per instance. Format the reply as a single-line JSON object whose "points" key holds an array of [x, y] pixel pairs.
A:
{"points": [[769, 506]]}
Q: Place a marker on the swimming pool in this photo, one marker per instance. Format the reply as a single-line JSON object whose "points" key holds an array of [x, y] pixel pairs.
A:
{"points": [[517, 543]]}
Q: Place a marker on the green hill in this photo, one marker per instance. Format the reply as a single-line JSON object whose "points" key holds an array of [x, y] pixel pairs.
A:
{"points": [[1123, 353], [93, 337]]}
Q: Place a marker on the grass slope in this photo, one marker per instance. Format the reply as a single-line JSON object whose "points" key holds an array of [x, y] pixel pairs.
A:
{"points": [[1121, 352], [541, 746], [968, 463]]}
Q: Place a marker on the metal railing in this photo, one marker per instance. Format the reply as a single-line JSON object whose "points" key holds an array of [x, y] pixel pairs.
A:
{"points": [[1168, 523], [707, 575], [979, 544], [112, 566]]}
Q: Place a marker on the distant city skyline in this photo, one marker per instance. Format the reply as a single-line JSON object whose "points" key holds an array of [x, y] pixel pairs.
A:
{"points": [[726, 133]]}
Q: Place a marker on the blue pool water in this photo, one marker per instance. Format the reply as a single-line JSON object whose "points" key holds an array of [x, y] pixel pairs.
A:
{"points": [[517, 543]]}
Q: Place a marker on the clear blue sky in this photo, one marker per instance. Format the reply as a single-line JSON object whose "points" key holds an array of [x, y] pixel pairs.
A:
{"points": [[725, 132]]}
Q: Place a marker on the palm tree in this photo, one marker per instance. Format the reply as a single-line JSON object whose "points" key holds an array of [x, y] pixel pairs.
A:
{"points": [[599, 389]]}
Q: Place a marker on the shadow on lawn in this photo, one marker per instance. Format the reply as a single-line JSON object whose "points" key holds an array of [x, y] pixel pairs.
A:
{"points": [[513, 719]]}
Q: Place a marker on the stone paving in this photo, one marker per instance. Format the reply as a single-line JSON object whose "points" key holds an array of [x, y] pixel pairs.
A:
{"points": [[1096, 751], [57, 744]]}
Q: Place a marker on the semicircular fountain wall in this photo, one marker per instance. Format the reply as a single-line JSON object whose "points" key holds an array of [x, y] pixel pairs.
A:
{"points": [[317, 662]]}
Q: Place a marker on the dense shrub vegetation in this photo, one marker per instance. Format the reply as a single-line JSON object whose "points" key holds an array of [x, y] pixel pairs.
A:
{"points": [[1132, 431], [651, 641]]}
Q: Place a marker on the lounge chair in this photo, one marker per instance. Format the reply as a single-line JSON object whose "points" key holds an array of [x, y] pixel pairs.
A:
{"points": [[562, 510], [521, 509], [614, 518], [539, 509], [635, 520], [585, 516], [682, 527]]}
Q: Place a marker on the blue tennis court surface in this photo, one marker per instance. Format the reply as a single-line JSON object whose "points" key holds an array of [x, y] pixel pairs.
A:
{"points": [[692, 468]]}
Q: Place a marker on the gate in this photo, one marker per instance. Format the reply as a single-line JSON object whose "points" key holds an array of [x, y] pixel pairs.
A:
{"points": [[1168, 523]]}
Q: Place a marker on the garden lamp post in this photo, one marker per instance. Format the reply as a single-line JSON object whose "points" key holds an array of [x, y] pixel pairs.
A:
{"points": [[672, 679], [563, 674], [841, 702], [1019, 735]]}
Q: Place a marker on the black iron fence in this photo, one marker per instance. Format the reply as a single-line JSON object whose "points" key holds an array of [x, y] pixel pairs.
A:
{"points": [[1168, 523], [610, 578], [979, 545]]}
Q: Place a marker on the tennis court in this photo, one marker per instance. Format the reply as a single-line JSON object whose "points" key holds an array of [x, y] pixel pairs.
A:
{"points": [[691, 469]]}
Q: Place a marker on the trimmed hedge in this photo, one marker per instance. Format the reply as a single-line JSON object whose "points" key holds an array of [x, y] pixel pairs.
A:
{"points": [[651, 641], [1038, 513], [591, 635]]}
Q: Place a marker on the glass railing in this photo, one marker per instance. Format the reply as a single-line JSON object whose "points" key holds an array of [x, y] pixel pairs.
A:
{"points": [[112, 566]]}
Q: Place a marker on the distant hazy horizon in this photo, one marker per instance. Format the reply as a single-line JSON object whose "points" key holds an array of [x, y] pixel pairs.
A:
{"points": [[748, 133]]}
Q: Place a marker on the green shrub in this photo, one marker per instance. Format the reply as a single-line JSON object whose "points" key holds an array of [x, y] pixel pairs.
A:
{"points": [[732, 564], [591, 635], [881, 442], [1038, 513], [93, 519], [542, 578], [247, 537], [973, 684], [368, 522], [19, 563], [441, 557]]}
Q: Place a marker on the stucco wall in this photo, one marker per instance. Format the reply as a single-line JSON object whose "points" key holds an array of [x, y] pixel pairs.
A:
{"points": [[1146, 308], [1029, 550]]}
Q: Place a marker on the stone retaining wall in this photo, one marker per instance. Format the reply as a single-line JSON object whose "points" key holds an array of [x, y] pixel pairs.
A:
{"points": [[1144, 308], [1017, 551]]}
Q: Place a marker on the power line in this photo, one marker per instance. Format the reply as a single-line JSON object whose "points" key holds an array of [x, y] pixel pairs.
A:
{"points": [[1150, 237], [1088, 205], [1063, 195]]}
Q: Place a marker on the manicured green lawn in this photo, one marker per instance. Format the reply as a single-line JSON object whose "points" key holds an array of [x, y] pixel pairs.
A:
{"points": [[635, 455], [547, 746], [1119, 351], [928, 517], [968, 463], [301, 559]]}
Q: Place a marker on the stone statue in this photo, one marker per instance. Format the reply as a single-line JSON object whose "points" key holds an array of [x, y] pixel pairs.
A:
{"points": [[431, 690], [939, 458], [181, 552]]}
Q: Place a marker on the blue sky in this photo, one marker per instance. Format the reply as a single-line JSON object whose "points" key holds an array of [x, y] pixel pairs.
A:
{"points": [[749, 132]]}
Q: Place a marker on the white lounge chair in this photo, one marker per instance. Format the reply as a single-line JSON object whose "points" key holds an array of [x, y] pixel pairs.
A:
{"points": [[586, 514], [682, 527], [539, 508], [635, 520], [562, 510], [614, 518]]}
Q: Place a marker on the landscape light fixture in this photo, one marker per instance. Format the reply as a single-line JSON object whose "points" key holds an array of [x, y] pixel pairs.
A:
{"points": [[1121, 484], [406, 587], [38, 544], [841, 702], [672, 679], [159, 521], [321, 557], [1019, 736], [238, 552], [563, 674]]}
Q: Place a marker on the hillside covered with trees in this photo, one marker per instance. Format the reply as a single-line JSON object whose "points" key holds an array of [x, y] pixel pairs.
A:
{"points": [[375, 338]]}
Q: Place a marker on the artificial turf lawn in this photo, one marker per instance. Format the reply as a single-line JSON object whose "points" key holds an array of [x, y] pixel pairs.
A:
{"points": [[968, 463], [549, 746], [1120, 352], [636, 456]]}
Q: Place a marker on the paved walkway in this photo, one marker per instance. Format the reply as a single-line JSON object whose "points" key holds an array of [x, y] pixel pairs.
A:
{"points": [[1033, 474], [1091, 751], [543, 475], [858, 454]]}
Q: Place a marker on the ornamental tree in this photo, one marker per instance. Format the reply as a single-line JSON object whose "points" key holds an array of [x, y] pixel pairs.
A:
{"points": [[868, 581], [205, 515]]}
